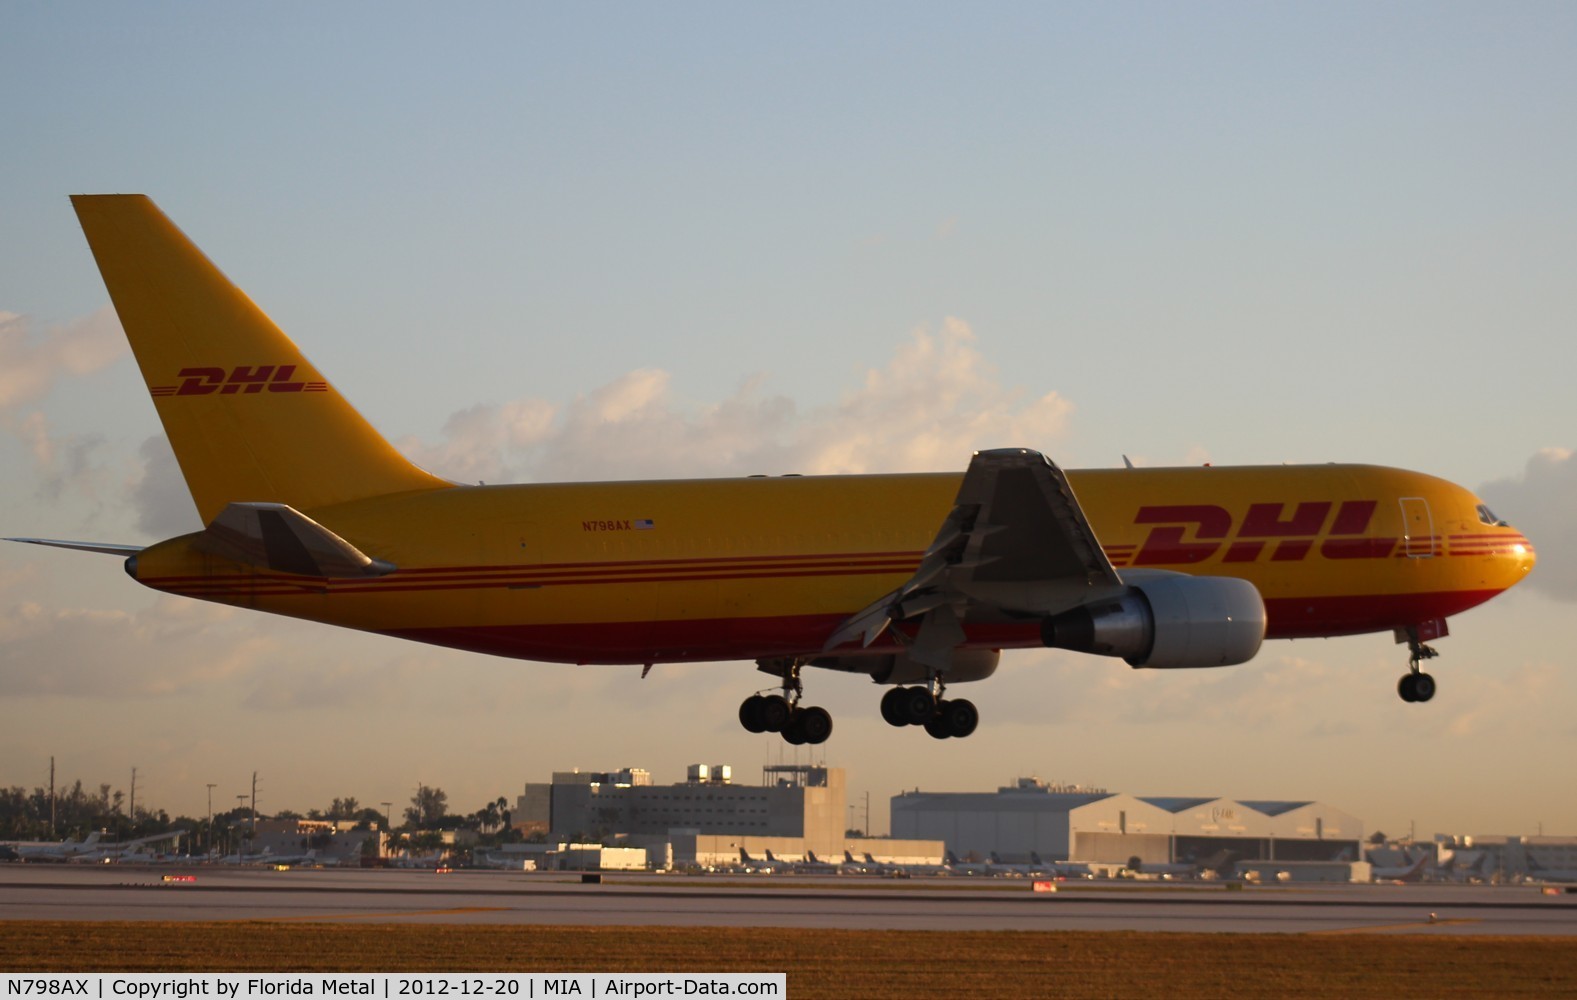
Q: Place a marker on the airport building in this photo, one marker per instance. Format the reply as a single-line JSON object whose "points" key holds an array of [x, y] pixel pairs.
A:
{"points": [[1509, 858], [1091, 825], [332, 841], [796, 810]]}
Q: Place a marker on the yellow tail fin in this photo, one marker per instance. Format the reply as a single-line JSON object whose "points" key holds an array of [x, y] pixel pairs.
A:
{"points": [[248, 415]]}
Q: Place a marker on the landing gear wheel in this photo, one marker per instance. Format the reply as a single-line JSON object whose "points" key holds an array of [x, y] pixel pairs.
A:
{"points": [[1423, 687], [814, 724], [1416, 685], [794, 732], [1407, 688], [751, 714], [936, 726], [893, 710], [919, 705], [959, 717], [776, 714]]}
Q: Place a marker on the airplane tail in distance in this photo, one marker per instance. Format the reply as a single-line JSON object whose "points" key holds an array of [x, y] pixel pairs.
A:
{"points": [[248, 415]]}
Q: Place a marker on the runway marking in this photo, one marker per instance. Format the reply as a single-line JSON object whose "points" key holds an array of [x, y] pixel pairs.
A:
{"points": [[368, 916], [1370, 929]]}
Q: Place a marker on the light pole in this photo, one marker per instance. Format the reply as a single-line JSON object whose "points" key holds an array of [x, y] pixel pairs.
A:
{"points": [[388, 827], [240, 851], [210, 851]]}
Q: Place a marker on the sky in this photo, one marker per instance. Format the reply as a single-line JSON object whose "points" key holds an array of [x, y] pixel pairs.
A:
{"points": [[539, 242]]}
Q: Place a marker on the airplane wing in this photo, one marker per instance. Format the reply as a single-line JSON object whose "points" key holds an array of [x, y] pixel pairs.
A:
{"points": [[105, 547], [1015, 545]]}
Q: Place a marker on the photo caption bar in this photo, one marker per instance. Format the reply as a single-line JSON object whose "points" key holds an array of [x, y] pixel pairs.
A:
{"points": [[394, 986]]}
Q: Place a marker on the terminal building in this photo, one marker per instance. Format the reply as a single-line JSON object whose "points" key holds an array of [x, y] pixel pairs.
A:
{"points": [[1094, 826], [797, 810]]}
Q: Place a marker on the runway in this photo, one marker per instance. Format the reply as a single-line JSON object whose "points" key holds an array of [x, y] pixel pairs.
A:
{"points": [[92, 893]]}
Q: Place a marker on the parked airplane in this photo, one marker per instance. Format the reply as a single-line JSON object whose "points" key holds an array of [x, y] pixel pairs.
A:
{"points": [[63, 850], [957, 867], [1455, 869], [1539, 873], [1411, 871], [768, 867], [917, 581], [126, 850], [813, 865], [1062, 869]]}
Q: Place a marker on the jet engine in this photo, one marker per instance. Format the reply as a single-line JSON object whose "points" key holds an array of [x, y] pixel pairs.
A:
{"points": [[1166, 620], [898, 668]]}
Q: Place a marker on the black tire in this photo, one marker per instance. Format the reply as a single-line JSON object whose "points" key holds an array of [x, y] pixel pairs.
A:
{"points": [[961, 717], [794, 731], [1407, 689], [775, 713], [1423, 687], [936, 726], [893, 707], [750, 714], [919, 706], [815, 724]]}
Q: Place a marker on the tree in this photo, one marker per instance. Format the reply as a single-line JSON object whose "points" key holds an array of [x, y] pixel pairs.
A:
{"points": [[1377, 838], [427, 807]]}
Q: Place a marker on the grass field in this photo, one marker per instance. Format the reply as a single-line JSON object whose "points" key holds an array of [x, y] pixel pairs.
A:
{"points": [[833, 963]]}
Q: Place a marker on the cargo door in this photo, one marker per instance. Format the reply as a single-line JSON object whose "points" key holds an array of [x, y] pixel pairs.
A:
{"points": [[1418, 528]]}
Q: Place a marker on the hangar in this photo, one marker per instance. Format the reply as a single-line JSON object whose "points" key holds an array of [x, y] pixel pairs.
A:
{"points": [[1093, 825]]}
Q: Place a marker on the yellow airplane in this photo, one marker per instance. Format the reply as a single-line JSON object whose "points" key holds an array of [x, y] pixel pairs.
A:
{"points": [[918, 581]]}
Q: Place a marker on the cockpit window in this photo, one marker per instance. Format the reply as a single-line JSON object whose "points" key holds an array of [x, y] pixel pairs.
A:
{"points": [[1488, 517]]}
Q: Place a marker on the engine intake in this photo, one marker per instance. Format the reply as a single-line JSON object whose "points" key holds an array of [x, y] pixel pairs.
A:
{"points": [[1167, 620]]}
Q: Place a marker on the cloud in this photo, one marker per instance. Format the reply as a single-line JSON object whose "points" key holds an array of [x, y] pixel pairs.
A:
{"points": [[31, 364], [71, 465], [159, 495], [111, 654], [935, 402], [1540, 503]]}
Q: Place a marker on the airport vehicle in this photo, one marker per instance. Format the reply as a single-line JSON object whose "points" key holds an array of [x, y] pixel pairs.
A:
{"points": [[916, 581]]}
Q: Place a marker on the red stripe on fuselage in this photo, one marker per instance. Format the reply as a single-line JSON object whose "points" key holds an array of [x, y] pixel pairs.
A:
{"points": [[803, 635]]}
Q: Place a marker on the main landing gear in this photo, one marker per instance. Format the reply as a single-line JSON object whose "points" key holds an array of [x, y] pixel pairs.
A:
{"points": [[918, 706], [1416, 685], [783, 714]]}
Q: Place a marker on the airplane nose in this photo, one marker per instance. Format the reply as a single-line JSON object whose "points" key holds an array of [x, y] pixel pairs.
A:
{"points": [[1528, 556]]}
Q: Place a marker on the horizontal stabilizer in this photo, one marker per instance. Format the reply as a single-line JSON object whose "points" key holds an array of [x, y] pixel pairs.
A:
{"points": [[104, 547], [278, 537]]}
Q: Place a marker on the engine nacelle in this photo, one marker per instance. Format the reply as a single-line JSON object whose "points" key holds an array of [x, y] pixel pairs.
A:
{"points": [[898, 668], [1167, 620]]}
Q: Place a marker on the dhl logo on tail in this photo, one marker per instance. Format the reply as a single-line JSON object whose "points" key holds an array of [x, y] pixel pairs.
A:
{"points": [[242, 378]]}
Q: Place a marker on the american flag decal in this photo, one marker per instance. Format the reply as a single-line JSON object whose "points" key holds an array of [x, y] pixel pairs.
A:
{"points": [[644, 524]]}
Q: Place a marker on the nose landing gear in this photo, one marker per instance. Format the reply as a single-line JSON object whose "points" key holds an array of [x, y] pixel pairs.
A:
{"points": [[1415, 685]]}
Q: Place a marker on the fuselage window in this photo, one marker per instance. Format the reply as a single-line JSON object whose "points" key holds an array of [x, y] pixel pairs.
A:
{"points": [[1488, 517]]}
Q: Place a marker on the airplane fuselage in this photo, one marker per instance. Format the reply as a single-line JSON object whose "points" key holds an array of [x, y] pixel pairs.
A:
{"points": [[663, 571]]}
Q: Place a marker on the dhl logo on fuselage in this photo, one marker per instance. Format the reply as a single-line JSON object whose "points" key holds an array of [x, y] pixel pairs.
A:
{"points": [[1289, 538], [241, 378]]}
